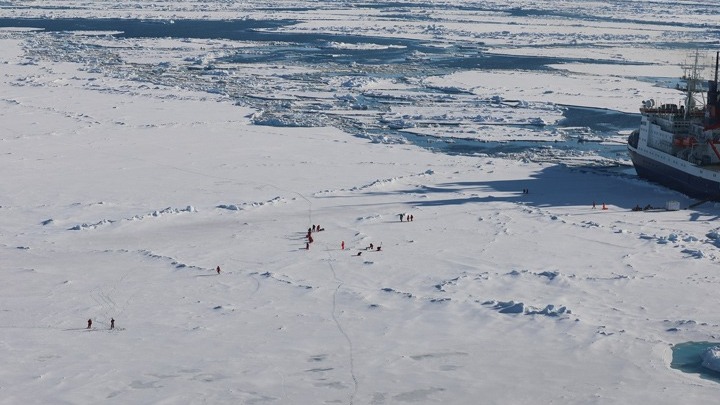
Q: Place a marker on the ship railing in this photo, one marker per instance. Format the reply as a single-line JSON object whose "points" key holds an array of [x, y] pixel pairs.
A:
{"points": [[685, 141], [698, 113]]}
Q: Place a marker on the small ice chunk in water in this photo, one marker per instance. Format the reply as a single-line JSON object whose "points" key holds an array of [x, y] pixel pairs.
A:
{"points": [[711, 358]]}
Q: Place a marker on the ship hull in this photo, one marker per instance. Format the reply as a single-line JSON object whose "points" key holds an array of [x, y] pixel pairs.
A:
{"points": [[674, 178]]}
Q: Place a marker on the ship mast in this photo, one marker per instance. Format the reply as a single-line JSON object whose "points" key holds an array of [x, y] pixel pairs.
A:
{"points": [[712, 107], [692, 86]]}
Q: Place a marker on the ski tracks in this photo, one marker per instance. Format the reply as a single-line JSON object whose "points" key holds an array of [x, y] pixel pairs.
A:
{"points": [[341, 330]]}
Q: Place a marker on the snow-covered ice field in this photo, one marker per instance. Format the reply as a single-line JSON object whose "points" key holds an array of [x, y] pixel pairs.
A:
{"points": [[127, 178]]}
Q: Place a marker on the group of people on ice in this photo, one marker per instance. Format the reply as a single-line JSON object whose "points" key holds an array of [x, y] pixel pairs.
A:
{"points": [[407, 217], [317, 228], [314, 228], [371, 247], [112, 323], [309, 237]]}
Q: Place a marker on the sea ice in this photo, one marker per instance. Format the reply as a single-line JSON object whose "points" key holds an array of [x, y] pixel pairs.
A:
{"points": [[711, 358]]}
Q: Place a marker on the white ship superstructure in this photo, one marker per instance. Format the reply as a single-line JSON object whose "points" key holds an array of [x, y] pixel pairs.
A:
{"points": [[678, 145]]}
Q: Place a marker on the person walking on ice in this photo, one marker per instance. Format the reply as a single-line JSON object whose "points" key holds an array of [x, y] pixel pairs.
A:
{"points": [[218, 269], [89, 323], [112, 323]]}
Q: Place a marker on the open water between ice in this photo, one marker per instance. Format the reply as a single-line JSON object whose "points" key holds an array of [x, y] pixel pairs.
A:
{"points": [[586, 131]]}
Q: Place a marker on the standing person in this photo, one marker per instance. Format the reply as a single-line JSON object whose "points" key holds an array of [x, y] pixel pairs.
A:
{"points": [[89, 323], [218, 269], [593, 205], [342, 245], [112, 323], [401, 217]]}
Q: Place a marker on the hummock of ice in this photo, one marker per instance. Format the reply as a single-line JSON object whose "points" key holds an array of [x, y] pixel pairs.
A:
{"points": [[711, 358]]}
